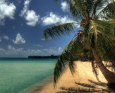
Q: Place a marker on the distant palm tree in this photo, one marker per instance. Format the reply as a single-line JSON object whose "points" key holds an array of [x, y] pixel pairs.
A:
{"points": [[96, 41]]}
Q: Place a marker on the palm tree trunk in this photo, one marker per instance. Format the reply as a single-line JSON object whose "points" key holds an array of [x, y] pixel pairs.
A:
{"points": [[109, 76]]}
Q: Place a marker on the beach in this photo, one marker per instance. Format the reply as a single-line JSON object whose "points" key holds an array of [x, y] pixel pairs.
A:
{"points": [[82, 81]]}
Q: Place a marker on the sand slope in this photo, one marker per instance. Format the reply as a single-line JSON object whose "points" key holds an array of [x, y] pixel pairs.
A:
{"points": [[83, 81]]}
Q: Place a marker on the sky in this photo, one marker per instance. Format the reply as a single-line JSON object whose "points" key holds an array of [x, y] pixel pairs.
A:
{"points": [[22, 25]]}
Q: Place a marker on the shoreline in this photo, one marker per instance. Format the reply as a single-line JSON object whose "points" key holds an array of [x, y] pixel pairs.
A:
{"points": [[82, 80], [39, 86]]}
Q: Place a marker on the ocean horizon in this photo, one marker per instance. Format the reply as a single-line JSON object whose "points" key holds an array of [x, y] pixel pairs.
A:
{"points": [[20, 75]]}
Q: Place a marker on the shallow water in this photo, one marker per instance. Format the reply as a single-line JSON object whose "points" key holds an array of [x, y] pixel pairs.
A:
{"points": [[17, 75]]}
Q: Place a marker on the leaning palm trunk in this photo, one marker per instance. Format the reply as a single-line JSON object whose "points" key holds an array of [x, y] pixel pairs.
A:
{"points": [[109, 76]]}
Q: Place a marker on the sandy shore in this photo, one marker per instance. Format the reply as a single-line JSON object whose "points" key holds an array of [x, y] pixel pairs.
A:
{"points": [[82, 81]]}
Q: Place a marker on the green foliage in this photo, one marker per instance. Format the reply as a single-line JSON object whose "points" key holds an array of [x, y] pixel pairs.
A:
{"points": [[59, 30], [106, 39], [73, 50], [98, 33], [67, 56], [108, 12]]}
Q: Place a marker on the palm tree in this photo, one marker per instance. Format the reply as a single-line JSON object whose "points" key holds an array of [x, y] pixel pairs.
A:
{"points": [[96, 41]]}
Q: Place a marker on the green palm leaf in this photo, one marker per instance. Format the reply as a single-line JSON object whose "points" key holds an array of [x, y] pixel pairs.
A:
{"points": [[80, 9], [59, 30], [108, 12], [104, 38], [73, 50]]}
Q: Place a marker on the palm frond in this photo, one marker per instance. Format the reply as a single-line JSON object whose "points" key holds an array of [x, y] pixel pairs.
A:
{"points": [[59, 30], [97, 6], [72, 50], [104, 38], [107, 12], [76, 9]]}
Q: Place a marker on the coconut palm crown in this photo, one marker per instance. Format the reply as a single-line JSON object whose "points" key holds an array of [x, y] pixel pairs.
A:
{"points": [[96, 42]]}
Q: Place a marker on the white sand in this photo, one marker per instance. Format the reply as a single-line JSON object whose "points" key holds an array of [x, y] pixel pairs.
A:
{"points": [[84, 78]]}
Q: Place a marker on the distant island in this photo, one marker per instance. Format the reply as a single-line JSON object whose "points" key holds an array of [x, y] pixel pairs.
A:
{"points": [[40, 57]]}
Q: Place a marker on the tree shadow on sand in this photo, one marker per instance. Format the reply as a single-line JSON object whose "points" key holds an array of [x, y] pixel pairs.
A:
{"points": [[87, 88]]}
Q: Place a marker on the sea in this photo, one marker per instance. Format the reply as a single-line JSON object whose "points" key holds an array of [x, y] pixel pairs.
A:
{"points": [[22, 75]]}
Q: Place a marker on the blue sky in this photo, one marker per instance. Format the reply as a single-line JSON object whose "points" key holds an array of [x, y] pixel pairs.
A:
{"points": [[22, 23]]}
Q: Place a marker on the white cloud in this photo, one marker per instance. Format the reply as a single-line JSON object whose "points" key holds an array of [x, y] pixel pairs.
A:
{"points": [[21, 52], [6, 10], [64, 6], [38, 45], [13, 51], [60, 50], [2, 22], [49, 51], [55, 19], [30, 15], [11, 48], [31, 18], [6, 37], [19, 39], [44, 38], [13, 27], [25, 9], [2, 51]]}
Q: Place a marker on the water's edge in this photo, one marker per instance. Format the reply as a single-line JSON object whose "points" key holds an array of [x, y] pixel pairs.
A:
{"points": [[38, 86]]}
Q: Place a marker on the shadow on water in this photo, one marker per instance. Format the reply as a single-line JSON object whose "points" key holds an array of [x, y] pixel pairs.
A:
{"points": [[87, 88]]}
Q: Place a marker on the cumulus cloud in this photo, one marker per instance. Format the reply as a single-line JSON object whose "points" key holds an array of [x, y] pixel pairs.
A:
{"points": [[64, 6], [6, 10], [25, 9], [13, 51], [55, 19], [11, 48], [6, 37], [19, 39], [31, 18], [21, 52], [2, 51]]}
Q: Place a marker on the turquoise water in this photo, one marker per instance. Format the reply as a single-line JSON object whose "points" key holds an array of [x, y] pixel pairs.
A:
{"points": [[17, 75]]}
